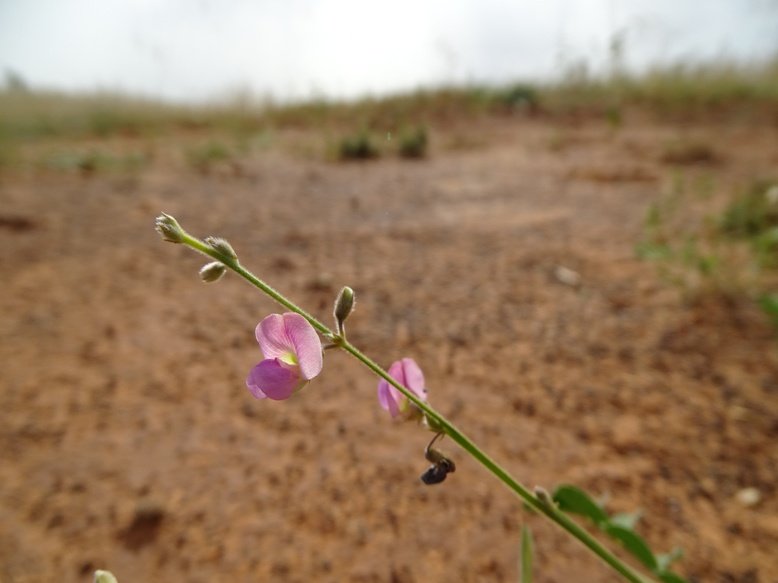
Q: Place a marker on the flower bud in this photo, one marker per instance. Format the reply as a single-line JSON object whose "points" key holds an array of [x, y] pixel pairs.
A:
{"points": [[222, 246], [169, 229], [104, 577], [211, 272], [544, 497], [344, 305]]}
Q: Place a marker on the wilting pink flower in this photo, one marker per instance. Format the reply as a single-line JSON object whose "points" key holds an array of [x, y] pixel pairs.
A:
{"points": [[407, 373], [293, 356]]}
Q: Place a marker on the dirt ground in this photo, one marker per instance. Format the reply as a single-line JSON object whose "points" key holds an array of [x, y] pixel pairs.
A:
{"points": [[129, 442]]}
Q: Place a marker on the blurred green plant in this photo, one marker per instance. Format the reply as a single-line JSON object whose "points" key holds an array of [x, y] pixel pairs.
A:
{"points": [[358, 146], [769, 305], [620, 527], [519, 96], [203, 157], [413, 142], [94, 160], [681, 90], [754, 212], [733, 252], [527, 552]]}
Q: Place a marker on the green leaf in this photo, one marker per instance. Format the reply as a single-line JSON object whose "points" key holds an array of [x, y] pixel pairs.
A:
{"points": [[670, 577], [634, 543], [576, 501], [664, 560], [626, 520], [526, 555]]}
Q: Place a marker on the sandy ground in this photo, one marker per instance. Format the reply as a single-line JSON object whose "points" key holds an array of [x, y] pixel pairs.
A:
{"points": [[128, 440]]}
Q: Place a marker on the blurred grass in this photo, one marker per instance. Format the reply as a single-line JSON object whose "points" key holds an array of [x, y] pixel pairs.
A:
{"points": [[731, 252], [687, 90], [678, 89]]}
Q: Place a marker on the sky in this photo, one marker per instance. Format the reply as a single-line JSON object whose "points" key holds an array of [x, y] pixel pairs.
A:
{"points": [[206, 50]]}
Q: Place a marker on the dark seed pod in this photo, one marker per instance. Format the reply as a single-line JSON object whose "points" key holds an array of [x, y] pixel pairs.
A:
{"points": [[435, 474]]}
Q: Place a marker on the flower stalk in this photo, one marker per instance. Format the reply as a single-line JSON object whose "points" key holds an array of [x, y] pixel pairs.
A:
{"points": [[224, 254]]}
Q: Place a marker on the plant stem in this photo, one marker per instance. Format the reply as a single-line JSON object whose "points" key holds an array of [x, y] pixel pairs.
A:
{"points": [[548, 510]]}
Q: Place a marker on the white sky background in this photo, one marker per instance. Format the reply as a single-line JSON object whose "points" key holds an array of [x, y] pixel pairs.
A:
{"points": [[197, 50]]}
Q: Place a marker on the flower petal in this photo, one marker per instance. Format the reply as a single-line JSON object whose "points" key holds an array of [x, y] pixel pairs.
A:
{"points": [[389, 398], [306, 343], [271, 379], [291, 338], [413, 378], [273, 339]]}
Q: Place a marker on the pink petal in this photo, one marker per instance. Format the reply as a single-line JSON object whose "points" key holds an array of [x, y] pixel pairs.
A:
{"points": [[272, 379], [306, 343], [407, 373], [412, 377], [283, 336], [389, 398], [272, 337]]}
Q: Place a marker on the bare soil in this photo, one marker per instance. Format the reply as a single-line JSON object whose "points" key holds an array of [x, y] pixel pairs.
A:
{"points": [[129, 442]]}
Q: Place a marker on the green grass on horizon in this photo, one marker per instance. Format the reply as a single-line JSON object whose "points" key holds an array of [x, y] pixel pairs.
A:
{"points": [[685, 90]]}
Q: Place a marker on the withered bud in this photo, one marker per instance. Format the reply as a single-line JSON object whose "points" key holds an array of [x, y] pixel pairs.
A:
{"points": [[344, 305], [222, 246], [211, 272], [169, 228], [104, 577]]}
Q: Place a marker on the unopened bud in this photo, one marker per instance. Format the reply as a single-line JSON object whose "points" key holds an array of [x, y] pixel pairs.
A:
{"points": [[544, 497], [344, 305], [222, 246], [104, 577], [211, 272], [169, 228]]}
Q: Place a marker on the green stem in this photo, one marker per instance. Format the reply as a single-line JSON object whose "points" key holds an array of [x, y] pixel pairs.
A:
{"points": [[548, 510]]}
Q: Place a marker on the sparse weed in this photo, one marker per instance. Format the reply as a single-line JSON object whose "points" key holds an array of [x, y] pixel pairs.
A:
{"points": [[413, 142], [731, 253], [204, 157], [671, 91], [93, 160], [754, 212], [769, 305], [358, 146], [519, 96]]}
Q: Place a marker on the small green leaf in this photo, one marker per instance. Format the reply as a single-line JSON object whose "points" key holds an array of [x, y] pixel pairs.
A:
{"points": [[634, 543], [526, 554], [626, 520], [576, 501], [664, 560], [670, 577]]}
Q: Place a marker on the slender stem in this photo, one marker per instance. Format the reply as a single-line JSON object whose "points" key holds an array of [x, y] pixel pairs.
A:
{"points": [[435, 418]]}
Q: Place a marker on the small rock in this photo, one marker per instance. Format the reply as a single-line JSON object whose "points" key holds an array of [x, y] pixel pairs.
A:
{"points": [[567, 276], [749, 497]]}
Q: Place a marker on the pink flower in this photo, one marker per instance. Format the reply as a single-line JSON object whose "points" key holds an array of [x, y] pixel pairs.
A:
{"points": [[293, 356], [407, 373]]}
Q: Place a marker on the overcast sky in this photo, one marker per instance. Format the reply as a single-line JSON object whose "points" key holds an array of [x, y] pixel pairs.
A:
{"points": [[196, 50]]}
